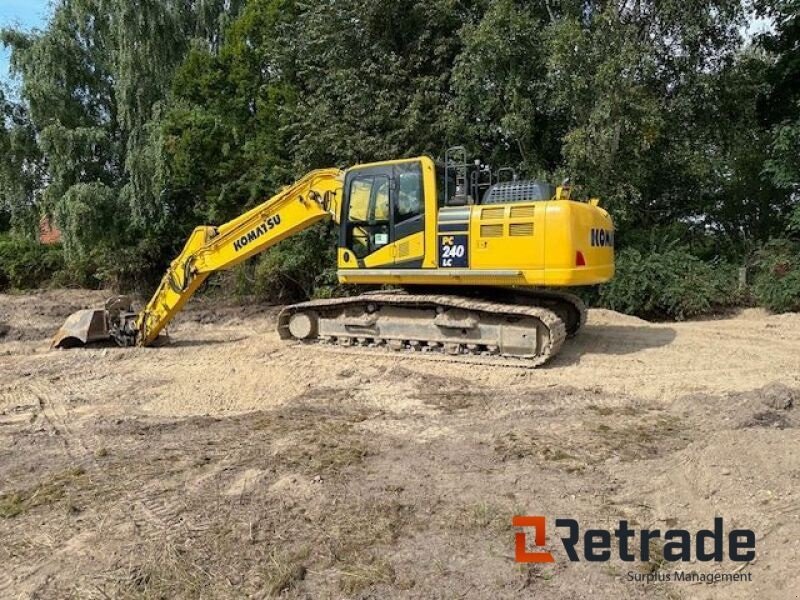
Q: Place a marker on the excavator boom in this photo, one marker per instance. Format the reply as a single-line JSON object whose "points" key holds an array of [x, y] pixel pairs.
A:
{"points": [[209, 249]]}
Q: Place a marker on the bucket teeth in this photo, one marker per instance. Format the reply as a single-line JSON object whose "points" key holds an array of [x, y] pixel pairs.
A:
{"points": [[82, 327]]}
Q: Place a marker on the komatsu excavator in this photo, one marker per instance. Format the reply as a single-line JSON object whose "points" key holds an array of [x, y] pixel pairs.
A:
{"points": [[474, 260]]}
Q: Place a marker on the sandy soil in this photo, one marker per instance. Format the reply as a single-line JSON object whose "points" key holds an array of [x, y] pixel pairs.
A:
{"points": [[230, 464]]}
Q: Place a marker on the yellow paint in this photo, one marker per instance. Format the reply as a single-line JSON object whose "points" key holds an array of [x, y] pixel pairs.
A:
{"points": [[381, 257]]}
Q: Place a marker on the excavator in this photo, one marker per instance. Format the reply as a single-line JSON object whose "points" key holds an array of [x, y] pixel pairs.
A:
{"points": [[458, 259]]}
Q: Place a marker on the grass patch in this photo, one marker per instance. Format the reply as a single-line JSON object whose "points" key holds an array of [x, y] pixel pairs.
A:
{"points": [[349, 530], [324, 447], [483, 515], [557, 454], [284, 571], [594, 441], [656, 559], [636, 440], [46, 493], [312, 440], [516, 446], [169, 570], [450, 401], [359, 577]]}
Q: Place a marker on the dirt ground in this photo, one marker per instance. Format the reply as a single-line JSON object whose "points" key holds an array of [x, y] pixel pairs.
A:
{"points": [[229, 464]]}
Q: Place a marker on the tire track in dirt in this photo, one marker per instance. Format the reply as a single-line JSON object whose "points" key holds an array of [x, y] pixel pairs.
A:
{"points": [[82, 449], [155, 515], [52, 409]]}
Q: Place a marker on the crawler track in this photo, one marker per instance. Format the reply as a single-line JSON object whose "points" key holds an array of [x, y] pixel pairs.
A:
{"points": [[453, 327], [568, 307]]}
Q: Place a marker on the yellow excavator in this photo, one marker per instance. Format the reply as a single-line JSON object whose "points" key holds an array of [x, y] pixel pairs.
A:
{"points": [[470, 261]]}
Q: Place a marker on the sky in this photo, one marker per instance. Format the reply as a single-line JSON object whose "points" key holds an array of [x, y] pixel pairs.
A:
{"points": [[22, 13]]}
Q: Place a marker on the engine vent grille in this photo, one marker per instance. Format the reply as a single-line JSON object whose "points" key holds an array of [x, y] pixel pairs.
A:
{"points": [[488, 231], [518, 191], [493, 213], [520, 229], [403, 249], [522, 212]]}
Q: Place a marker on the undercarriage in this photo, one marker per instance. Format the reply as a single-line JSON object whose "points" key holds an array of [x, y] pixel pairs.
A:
{"points": [[529, 326]]}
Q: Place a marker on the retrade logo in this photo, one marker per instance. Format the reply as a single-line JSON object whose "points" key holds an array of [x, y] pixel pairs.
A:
{"points": [[598, 545], [520, 540]]}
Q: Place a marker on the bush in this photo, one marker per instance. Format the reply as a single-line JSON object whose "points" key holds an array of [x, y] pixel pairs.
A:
{"points": [[81, 273], [26, 264], [777, 284], [299, 268], [671, 283]]}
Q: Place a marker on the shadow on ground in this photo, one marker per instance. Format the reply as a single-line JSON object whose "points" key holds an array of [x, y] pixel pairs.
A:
{"points": [[613, 340]]}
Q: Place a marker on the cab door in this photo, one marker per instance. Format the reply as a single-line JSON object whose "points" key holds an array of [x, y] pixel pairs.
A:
{"points": [[408, 215], [366, 227], [383, 216]]}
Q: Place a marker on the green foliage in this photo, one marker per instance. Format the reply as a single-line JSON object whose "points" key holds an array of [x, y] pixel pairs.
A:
{"points": [[794, 220], [779, 102], [301, 268], [84, 142], [373, 78], [668, 283], [784, 162], [21, 175], [86, 216], [777, 285], [137, 121], [503, 106], [25, 264]]}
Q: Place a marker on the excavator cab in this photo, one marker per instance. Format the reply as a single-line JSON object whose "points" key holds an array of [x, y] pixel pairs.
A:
{"points": [[382, 220]]}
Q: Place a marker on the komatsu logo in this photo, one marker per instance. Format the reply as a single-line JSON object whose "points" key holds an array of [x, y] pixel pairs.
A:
{"points": [[602, 238], [256, 233]]}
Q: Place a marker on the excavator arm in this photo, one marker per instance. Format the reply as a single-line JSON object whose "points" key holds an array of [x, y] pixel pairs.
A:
{"points": [[208, 249]]}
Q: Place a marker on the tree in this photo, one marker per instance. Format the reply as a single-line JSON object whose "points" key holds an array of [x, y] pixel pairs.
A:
{"points": [[21, 173], [138, 121], [503, 106], [92, 82], [780, 103]]}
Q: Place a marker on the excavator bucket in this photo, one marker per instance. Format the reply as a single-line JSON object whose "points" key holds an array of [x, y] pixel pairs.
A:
{"points": [[94, 324], [82, 327]]}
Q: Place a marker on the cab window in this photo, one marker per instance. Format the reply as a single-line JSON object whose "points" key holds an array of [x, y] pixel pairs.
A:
{"points": [[368, 214], [410, 201], [360, 191], [380, 207]]}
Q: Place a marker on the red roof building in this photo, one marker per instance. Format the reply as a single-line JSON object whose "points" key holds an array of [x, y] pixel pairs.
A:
{"points": [[48, 232]]}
